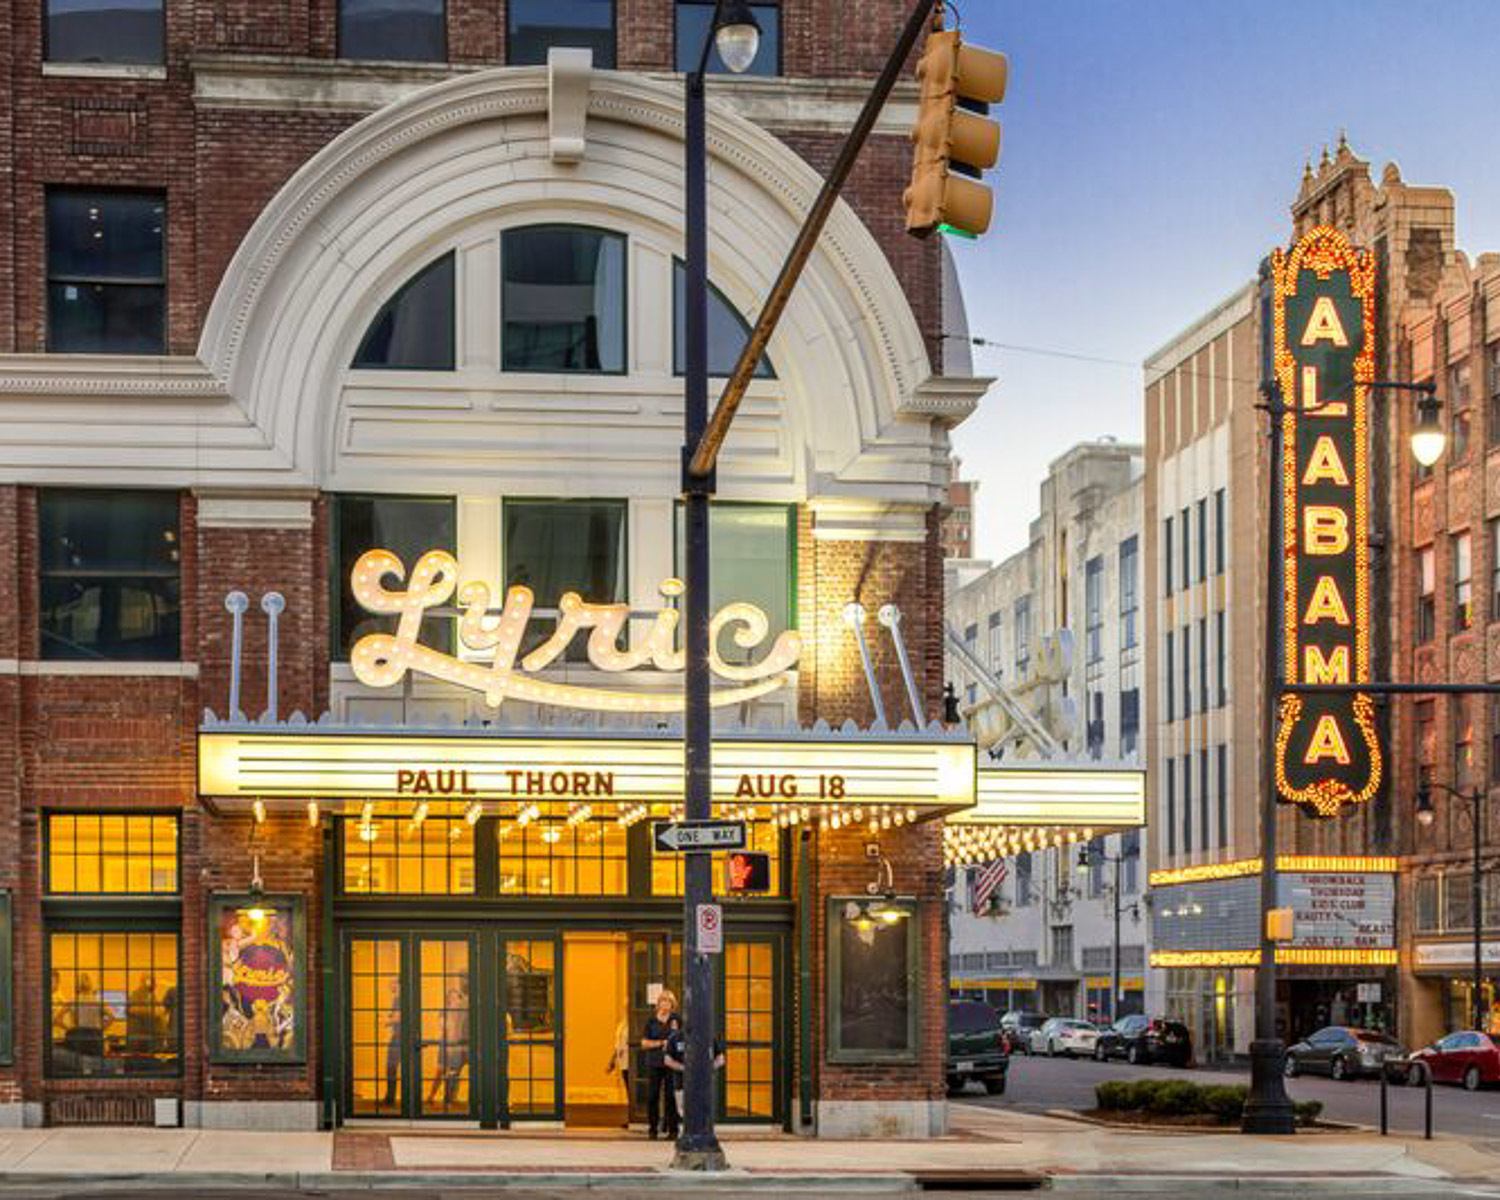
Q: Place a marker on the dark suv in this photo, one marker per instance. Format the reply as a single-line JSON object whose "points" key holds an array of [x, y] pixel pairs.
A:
{"points": [[1141, 1039], [975, 1047]]}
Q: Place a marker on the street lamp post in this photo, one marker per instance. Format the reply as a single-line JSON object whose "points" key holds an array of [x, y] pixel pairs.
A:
{"points": [[1426, 814], [736, 34], [1087, 860], [1268, 1109]]}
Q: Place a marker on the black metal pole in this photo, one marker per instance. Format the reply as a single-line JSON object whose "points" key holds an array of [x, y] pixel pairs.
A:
{"points": [[1478, 1001], [1268, 1108], [1115, 993], [698, 1147]]}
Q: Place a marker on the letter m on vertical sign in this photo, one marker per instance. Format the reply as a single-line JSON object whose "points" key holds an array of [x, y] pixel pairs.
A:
{"points": [[1327, 751]]}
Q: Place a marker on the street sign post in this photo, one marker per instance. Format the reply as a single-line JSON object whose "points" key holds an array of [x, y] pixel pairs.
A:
{"points": [[672, 836]]}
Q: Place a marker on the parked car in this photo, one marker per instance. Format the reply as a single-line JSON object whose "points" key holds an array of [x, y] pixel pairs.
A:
{"points": [[976, 1047], [1467, 1057], [1065, 1035], [1016, 1026], [1142, 1039], [1342, 1052]]}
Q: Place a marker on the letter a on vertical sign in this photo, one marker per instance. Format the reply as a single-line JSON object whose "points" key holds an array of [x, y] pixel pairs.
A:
{"points": [[1327, 752]]}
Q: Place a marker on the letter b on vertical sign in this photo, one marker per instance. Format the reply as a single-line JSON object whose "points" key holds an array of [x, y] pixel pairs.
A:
{"points": [[1327, 751]]}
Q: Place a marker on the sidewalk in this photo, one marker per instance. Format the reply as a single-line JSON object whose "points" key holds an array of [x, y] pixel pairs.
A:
{"points": [[983, 1142]]}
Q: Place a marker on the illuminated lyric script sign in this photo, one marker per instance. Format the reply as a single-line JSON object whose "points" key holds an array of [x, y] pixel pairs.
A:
{"points": [[1327, 753], [383, 659]]}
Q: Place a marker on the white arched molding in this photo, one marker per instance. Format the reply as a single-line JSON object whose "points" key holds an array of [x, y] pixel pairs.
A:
{"points": [[854, 411]]}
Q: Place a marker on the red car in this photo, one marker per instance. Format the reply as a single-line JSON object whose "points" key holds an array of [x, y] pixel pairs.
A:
{"points": [[1469, 1058]]}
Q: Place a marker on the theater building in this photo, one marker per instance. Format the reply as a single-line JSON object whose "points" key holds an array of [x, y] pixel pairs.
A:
{"points": [[295, 834]]}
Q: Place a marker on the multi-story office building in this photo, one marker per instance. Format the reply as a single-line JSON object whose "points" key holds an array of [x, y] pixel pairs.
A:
{"points": [[374, 308], [1045, 939], [1205, 538], [958, 516]]}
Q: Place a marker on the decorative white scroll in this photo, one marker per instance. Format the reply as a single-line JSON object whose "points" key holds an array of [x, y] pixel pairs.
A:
{"points": [[383, 659]]}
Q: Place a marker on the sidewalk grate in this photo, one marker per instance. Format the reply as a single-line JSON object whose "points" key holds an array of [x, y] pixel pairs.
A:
{"points": [[964, 1180]]}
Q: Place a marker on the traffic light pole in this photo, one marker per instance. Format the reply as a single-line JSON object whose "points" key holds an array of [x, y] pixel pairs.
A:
{"points": [[706, 454]]}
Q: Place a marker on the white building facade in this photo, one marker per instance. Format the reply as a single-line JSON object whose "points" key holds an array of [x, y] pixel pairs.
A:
{"points": [[1045, 939]]}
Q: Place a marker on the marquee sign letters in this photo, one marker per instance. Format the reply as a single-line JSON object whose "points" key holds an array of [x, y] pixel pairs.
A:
{"points": [[1327, 752], [383, 659]]}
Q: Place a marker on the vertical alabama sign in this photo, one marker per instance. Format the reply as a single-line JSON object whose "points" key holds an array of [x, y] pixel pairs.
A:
{"points": [[1323, 313]]}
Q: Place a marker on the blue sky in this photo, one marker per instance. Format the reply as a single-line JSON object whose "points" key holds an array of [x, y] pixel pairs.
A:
{"points": [[1151, 150]]}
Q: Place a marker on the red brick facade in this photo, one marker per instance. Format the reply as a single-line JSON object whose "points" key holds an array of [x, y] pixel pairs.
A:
{"points": [[112, 740]]}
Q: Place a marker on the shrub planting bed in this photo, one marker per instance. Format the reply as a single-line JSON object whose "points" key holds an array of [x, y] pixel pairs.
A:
{"points": [[1180, 1102]]}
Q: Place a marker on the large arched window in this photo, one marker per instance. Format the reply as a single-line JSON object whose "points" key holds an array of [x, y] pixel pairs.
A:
{"points": [[727, 330], [562, 299], [414, 331]]}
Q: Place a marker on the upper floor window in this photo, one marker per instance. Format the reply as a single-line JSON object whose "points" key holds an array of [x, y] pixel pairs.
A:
{"points": [[1129, 592], [754, 551], [1221, 532], [120, 32], [1426, 594], [393, 30], [1021, 631], [534, 26], [1492, 370], [407, 526], [693, 20], [111, 854], [997, 637], [1093, 606], [1202, 539], [1463, 581], [1166, 555], [727, 331], [557, 546], [1459, 406], [106, 272], [414, 328], [110, 575], [562, 299]]}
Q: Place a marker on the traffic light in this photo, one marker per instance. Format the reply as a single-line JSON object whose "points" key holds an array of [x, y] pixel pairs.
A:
{"points": [[747, 871], [955, 139]]}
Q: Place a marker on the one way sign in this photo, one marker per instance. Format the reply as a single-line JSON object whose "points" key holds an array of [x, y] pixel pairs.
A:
{"points": [[698, 835]]}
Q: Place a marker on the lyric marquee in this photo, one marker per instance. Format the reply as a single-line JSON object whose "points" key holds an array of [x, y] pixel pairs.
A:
{"points": [[1328, 755]]}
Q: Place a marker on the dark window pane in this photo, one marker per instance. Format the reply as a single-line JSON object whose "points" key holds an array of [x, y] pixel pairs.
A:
{"points": [[110, 577], [105, 235], [752, 560], [563, 299], [104, 318], [105, 31], [727, 330], [534, 26], [407, 526], [414, 330], [105, 272], [401, 30], [557, 546], [693, 20]]}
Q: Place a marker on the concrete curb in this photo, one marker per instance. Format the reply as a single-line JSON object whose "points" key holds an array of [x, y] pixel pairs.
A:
{"points": [[1261, 1185], [664, 1180]]}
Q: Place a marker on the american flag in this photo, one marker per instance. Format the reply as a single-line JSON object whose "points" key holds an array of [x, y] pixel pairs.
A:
{"points": [[985, 882]]}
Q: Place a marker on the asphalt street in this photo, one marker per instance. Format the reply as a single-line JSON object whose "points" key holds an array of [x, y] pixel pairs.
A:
{"points": [[1040, 1084]]}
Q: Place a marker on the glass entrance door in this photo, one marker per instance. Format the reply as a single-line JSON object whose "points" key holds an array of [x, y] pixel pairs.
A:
{"points": [[655, 963], [409, 1017], [531, 1033]]}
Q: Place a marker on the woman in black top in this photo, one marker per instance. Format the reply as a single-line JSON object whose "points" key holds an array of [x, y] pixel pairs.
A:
{"points": [[659, 1026]]}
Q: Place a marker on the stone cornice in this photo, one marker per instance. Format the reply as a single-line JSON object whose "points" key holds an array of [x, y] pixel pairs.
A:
{"points": [[948, 399], [143, 376], [273, 81]]}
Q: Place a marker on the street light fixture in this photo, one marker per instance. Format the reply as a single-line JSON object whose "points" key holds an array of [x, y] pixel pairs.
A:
{"points": [[1426, 815], [1428, 439], [737, 36]]}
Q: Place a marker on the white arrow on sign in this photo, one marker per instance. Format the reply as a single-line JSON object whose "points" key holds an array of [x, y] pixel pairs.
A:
{"points": [[699, 835]]}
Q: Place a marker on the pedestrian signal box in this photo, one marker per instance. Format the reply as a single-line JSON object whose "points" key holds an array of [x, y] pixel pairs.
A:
{"points": [[746, 872]]}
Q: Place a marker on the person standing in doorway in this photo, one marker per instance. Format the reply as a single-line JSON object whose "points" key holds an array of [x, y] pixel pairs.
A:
{"points": [[393, 1047], [659, 1026]]}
